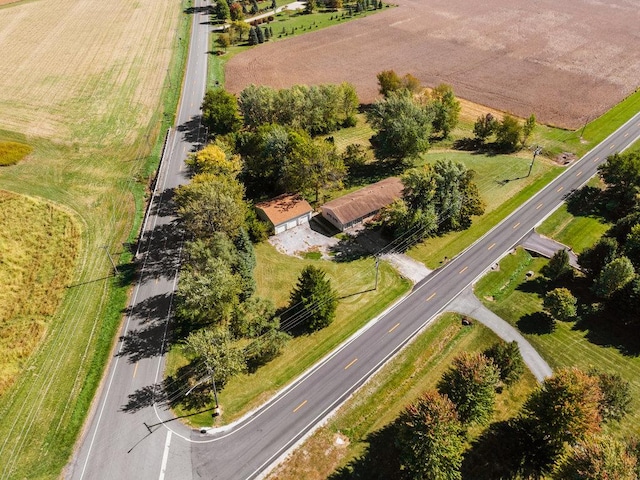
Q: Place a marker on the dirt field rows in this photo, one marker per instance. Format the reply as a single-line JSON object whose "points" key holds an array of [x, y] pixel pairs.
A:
{"points": [[565, 61]]}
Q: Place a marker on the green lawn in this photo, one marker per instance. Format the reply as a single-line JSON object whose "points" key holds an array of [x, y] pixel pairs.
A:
{"points": [[517, 300], [415, 370], [276, 274], [579, 232], [501, 199]]}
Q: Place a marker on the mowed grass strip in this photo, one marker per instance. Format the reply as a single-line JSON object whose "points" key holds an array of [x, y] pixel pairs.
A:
{"points": [[506, 292], [39, 244], [416, 369], [579, 232], [86, 84], [276, 274], [12, 152]]}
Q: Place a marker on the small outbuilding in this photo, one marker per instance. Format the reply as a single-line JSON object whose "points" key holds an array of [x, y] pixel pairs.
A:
{"points": [[285, 212], [358, 206]]}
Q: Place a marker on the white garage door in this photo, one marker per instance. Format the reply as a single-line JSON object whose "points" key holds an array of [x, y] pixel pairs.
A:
{"points": [[280, 229]]}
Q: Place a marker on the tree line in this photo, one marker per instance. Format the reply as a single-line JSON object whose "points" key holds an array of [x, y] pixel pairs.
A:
{"points": [[557, 431], [611, 266]]}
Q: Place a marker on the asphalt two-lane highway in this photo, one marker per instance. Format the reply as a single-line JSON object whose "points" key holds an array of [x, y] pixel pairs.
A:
{"points": [[131, 433], [254, 445], [123, 438]]}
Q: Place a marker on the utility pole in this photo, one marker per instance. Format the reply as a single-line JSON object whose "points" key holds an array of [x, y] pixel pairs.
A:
{"points": [[537, 151], [113, 264], [216, 410], [377, 268]]}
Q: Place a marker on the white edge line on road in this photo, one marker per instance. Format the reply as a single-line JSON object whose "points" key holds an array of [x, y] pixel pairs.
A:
{"points": [[165, 456]]}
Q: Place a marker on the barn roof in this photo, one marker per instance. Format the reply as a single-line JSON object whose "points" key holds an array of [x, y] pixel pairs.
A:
{"points": [[284, 208], [365, 201]]}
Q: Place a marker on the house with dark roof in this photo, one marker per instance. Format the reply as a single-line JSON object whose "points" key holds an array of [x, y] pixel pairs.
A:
{"points": [[358, 206], [285, 212]]}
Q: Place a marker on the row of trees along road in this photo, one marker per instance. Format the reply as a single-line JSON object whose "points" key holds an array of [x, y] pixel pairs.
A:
{"points": [[231, 329]]}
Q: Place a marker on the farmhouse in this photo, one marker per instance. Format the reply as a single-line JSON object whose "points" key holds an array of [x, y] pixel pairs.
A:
{"points": [[354, 208], [285, 212]]}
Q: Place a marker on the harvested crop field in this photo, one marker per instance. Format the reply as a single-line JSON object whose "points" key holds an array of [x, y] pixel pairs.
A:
{"points": [[567, 61]]}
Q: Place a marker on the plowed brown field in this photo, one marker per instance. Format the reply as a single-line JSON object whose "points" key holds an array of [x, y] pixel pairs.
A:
{"points": [[566, 61]]}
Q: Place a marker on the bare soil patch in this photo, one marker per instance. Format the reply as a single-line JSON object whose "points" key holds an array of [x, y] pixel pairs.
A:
{"points": [[564, 61]]}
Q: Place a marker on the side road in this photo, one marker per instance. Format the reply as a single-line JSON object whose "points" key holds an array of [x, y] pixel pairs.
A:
{"points": [[468, 304]]}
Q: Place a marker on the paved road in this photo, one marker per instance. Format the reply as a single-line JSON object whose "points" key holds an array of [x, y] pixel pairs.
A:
{"points": [[547, 247], [131, 434], [468, 304], [117, 443]]}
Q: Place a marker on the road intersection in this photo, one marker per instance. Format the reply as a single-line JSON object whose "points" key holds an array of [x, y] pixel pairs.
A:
{"points": [[132, 432]]}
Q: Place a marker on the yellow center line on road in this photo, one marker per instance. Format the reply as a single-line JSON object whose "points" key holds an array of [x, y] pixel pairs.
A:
{"points": [[299, 406], [579, 173], [539, 206], [611, 146], [462, 271], [516, 225], [596, 159], [432, 295], [560, 189], [135, 370], [351, 363], [394, 327], [626, 134], [491, 246]]}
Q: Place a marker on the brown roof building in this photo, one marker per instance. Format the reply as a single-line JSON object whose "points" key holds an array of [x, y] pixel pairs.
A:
{"points": [[285, 212], [354, 208]]}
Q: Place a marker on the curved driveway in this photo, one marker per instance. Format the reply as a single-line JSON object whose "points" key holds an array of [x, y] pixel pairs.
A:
{"points": [[132, 435]]}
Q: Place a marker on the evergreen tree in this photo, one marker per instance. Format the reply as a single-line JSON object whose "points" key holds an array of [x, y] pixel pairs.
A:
{"points": [[313, 300], [506, 356], [558, 265], [259, 35], [267, 34], [245, 264], [253, 36]]}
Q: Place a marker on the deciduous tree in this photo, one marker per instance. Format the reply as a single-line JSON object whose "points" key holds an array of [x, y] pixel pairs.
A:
{"points": [[621, 173], [616, 395], [598, 458], [213, 160], [566, 408], [211, 204], [613, 276], [593, 259], [220, 112], [558, 265], [508, 133], [528, 128], [561, 304], [470, 383], [446, 108], [485, 126], [215, 348], [430, 439], [403, 126]]}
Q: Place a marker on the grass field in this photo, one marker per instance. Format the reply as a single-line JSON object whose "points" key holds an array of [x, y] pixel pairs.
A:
{"points": [[413, 371], [39, 243], [85, 83], [579, 232], [12, 152], [570, 344], [276, 274]]}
